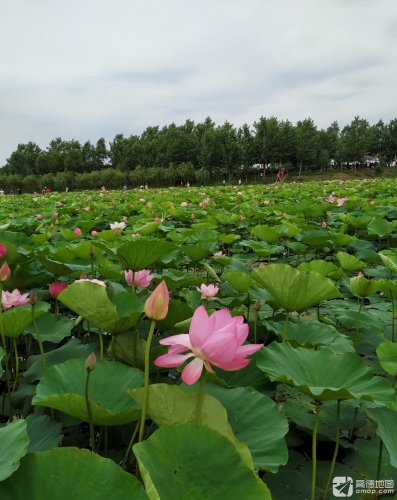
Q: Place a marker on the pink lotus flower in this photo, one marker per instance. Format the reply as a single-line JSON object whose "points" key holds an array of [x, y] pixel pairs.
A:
{"points": [[216, 340], [56, 288], [266, 202], [100, 195], [39, 216], [59, 204], [135, 235], [94, 233], [55, 214], [331, 198], [208, 291], [218, 254], [3, 251], [157, 219], [77, 231], [125, 218], [98, 282], [142, 200], [5, 272], [142, 279], [87, 209], [14, 298], [241, 218], [324, 224], [341, 201], [184, 204], [156, 306]]}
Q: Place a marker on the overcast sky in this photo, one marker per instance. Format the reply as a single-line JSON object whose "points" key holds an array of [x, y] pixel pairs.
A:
{"points": [[80, 69]]}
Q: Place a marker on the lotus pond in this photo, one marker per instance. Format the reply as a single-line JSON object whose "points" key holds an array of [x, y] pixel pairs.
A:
{"points": [[217, 342]]}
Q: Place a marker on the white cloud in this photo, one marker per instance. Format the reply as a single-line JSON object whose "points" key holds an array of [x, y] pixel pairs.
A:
{"points": [[89, 69]]}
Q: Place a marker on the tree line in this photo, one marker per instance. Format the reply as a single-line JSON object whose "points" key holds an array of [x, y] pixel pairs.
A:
{"points": [[201, 151]]}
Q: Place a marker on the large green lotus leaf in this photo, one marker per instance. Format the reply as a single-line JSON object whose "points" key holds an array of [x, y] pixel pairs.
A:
{"points": [[147, 229], [341, 240], [295, 290], [239, 281], [310, 334], [189, 461], [198, 251], [349, 262], [381, 227], [92, 302], [368, 319], [52, 328], [140, 254], [389, 261], [316, 238], [361, 287], [247, 412], [68, 234], [386, 428], [17, 319], [387, 354], [54, 267], [70, 473], [124, 351], [249, 376], [177, 311], [13, 241], [323, 375], [14, 442], [82, 250], [73, 349], [266, 233], [319, 266], [44, 432], [171, 404], [298, 248], [360, 222], [178, 279], [63, 388]]}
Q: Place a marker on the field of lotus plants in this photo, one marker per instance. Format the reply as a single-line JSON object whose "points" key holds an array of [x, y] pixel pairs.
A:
{"points": [[217, 342]]}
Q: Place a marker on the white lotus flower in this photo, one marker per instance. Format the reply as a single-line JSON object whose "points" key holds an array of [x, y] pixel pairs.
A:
{"points": [[118, 225]]}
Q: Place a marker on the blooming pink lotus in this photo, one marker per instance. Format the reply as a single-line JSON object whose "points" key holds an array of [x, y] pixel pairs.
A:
{"points": [[184, 204], [142, 279], [208, 292], [341, 201], [331, 198], [216, 340], [218, 254], [14, 298]]}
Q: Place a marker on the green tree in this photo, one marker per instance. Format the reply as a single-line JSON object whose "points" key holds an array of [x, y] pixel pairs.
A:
{"points": [[354, 140], [267, 141], [306, 143], [287, 142]]}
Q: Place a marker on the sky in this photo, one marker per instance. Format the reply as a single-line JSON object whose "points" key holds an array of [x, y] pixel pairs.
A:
{"points": [[82, 70]]}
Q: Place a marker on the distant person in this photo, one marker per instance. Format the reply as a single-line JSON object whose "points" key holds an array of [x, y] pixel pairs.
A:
{"points": [[239, 182], [43, 191], [67, 189], [103, 188], [224, 182], [124, 188], [19, 191], [47, 191], [188, 184], [1, 191], [11, 191], [146, 186]]}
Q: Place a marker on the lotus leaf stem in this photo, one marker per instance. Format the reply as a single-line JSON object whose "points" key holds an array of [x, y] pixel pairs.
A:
{"points": [[336, 449], [314, 451], [16, 365], [392, 320], [379, 469], [146, 386], [357, 321], [89, 413], [112, 348], [285, 326], [100, 337], [353, 422], [133, 282], [3, 343], [36, 329]]}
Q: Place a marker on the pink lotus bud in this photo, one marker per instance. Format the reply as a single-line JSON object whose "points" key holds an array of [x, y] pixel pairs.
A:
{"points": [[91, 251], [257, 305], [156, 306], [324, 224], [116, 232], [33, 298], [77, 231], [94, 233], [3, 251], [250, 265], [39, 216], [83, 276], [90, 362], [53, 233], [56, 288], [5, 272], [261, 264]]}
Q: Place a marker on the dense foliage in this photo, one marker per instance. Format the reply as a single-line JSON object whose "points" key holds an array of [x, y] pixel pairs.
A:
{"points": [[199, 152], [308, 271]]}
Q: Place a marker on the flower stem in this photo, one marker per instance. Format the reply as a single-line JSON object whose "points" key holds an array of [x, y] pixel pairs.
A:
{"points": [[92, 268], [36, 329], [127, 453], [314, 450], [56, 307], [14, 343], [133, 282], [354, 421], [392, 321], [146, 386], [112, 348], [357, 321], [3, 343], [285, 326], [336, 449], [89, 413], [200, 399]]}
